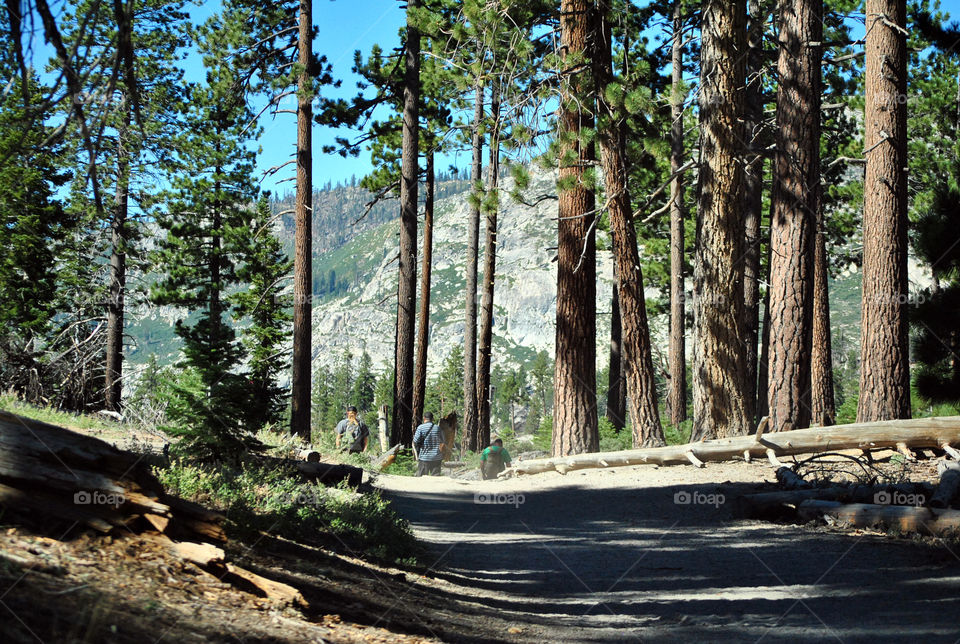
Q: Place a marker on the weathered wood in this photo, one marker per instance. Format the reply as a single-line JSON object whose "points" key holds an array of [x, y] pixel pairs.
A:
{"points": [[915, 433], [770, 504], [331, 474], [63, 475], [160, 523], [309, 455], [388, 457], [272, 590], [906, 518], [202, 554], [790, 480], [949, 486], [382, 427]]}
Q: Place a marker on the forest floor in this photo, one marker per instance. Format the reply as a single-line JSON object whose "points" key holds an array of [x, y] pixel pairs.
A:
{"points": [[596, 555], [614, 555]]}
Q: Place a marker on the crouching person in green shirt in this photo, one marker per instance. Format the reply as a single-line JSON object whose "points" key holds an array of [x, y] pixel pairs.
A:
{"points": [[494, 460]]}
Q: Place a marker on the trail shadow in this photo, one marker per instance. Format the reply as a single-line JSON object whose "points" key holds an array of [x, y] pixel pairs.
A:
{"points": [[671, 561]]}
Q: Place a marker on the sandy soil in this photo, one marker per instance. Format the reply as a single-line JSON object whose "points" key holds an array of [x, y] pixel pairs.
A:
{"points": [[657, 554]]}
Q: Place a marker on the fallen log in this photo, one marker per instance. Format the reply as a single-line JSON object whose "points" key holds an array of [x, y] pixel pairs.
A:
{"points": [[914, 433], [906, 518], [774, 504], [949, 486], [309, 455], [388, 457], [53, 473], [790, 480], [331, 474], [275, 591]]}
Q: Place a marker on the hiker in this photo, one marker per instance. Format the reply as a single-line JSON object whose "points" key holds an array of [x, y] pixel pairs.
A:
{"points": [[494, 460], [355, 430], [428, 441]]}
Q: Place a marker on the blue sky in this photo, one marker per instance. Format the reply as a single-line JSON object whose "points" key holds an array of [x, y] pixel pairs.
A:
{"points": [[344, 26]]}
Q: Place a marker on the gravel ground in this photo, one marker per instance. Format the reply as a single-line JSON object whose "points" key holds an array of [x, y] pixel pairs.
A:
{"points": [[657, 554]]}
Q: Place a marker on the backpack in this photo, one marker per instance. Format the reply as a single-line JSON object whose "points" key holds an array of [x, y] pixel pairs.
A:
{"points": [[356, 433], [494, 463]]}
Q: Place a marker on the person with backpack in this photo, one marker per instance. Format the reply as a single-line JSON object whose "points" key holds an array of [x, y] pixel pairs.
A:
{"points": [[355, 430], [428, 441], [494, 460]]}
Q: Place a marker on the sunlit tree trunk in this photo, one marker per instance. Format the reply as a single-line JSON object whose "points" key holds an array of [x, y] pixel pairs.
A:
{"points": [[407, 293], [884, 361], [303, 224], [719, 374], [575, 398]]}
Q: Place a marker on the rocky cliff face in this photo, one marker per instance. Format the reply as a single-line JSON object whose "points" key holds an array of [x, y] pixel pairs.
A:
{"points": [[525, 291]]}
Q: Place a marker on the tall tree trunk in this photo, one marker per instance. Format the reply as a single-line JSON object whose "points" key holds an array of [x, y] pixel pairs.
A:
{"points": [[884, 361], [719, 378], [575, 398], [616, 385], [118, 273], [489, 272], [763, 370], [821, 359], [423, 328], [753, 201], [794, 204], [303, 225], [677, 393], [470, 420], [641, 386], [407, 292]]}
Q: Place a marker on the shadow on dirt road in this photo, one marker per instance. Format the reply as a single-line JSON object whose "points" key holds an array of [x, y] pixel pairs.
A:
{"points": [[600, 561]]}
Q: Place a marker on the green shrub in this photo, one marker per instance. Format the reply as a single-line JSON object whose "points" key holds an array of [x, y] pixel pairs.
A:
{"points": [[610, 439], [257, 497], [677, 435]]}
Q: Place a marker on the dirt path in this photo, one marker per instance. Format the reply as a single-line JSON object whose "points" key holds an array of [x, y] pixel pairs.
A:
{"points": [[610, 555]]}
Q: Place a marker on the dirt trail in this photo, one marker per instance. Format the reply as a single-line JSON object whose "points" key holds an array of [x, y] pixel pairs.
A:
{"points": [[612, 555]]}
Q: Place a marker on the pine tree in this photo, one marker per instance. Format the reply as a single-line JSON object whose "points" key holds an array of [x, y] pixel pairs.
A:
{"points": [[884, 360], [263, 272], [795, 207], [364, 384], [206, 220], [574, 409], [644, 415], [32, 221], [719, 390]]}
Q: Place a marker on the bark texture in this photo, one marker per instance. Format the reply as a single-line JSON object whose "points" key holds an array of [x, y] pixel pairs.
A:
{"points": [[677, 393], [470, 418], [616, 385], [884, 366], [719, 389], [794, 207], [824, 410], [756, 139], [574, 401], [641, 386], [303, 224], [485, 346], [407, 291], [423, 322], [118, 274]]}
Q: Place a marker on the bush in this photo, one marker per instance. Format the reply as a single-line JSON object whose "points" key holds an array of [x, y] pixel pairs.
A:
{"points": [[610, 439], [256, 497]]}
